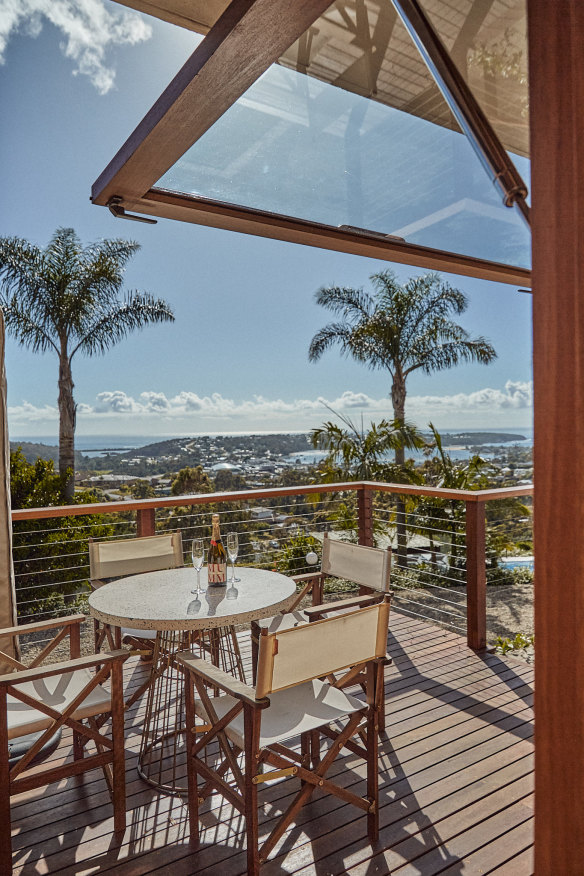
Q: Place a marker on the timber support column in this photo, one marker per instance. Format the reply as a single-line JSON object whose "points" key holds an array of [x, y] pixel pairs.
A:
{"points": [[365, 516], [145, 522], [476, 577], [556, 73]]}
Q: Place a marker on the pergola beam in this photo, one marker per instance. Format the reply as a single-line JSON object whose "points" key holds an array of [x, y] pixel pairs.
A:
{"points": [[249, 37]]}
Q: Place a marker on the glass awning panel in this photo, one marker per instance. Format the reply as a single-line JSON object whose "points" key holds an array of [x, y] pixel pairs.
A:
{"points": [[302, 146]]}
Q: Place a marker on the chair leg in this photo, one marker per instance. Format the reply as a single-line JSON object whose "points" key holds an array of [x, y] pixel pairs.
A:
{"points": [[372, 754], [255, 649], [251, 719], [315, 748], [119, 763], [5, 833], [305, 751], [78, 746], [192, 778], [380, 692]]}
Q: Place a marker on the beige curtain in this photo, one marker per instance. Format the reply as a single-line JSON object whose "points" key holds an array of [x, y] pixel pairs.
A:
{"points": [[7, 594]]}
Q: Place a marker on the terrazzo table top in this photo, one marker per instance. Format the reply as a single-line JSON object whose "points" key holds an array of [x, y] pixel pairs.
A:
{"points": [[163, 600]]}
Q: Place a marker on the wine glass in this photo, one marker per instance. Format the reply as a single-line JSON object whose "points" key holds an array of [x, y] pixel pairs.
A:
{"points": [[232, 550], [198, 555]]}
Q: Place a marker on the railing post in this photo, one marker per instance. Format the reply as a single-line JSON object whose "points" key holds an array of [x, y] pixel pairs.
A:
{"points": [[476, 576], [145, 521], [365, 517]]}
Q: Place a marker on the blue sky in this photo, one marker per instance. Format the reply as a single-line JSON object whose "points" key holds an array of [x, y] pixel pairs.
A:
{"points": [[72, 89]]}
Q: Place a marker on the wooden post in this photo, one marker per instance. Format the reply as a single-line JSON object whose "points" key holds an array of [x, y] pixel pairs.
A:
{"points": [[145, 521], [476, 576], [5, 833], [365, 517], [556, 80], [74, 641]]}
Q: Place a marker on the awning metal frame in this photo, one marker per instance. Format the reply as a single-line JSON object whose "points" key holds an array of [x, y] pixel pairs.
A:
{"points": [[464, 107]]}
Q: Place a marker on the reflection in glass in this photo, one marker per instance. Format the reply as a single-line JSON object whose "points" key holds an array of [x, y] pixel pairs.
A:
{"points": [[370, 143]]}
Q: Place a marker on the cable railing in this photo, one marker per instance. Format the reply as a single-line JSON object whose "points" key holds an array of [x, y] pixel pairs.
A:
{"points": [[446, 549], [430, 581]]}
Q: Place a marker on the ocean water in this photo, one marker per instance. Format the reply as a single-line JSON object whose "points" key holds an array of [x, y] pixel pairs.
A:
{"points": [[95, 445]]}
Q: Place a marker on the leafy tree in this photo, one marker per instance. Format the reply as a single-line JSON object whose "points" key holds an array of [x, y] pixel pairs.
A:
{"points": [[51, 562], [190, 481], [227, 481], [291, 560], [34, 485], [441, 517], [65, 299], [142, 490], [357, 454]]}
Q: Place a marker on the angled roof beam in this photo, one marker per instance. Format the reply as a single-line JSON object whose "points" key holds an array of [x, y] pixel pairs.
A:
{"points": [[464, 107], [249, 37]]}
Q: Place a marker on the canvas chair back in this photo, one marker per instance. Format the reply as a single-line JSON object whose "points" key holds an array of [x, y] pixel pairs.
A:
{"points": [[309, 651], [367, 566], [113, 559]]}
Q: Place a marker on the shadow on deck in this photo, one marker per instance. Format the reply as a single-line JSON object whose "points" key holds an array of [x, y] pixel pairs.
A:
{"points": [[456, 787]]}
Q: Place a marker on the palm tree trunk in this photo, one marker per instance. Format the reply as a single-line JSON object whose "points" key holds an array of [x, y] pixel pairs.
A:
{"points": [[67, 417], [398, 399]]}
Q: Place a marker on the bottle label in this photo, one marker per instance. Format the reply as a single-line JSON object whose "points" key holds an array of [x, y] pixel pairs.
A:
{"points": [[217, 573]]}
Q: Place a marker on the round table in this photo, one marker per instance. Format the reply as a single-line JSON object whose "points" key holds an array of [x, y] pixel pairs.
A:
{"points": [[164, 602]]}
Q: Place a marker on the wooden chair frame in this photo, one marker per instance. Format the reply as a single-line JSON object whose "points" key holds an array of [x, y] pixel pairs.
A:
{"points": [[109, 753], [308, 765], [313, 583]]}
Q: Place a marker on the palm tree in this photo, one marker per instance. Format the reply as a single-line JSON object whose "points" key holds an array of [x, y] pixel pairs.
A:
{"points": [[359, 454], [400, 329], [356, 454], [65, 299]]}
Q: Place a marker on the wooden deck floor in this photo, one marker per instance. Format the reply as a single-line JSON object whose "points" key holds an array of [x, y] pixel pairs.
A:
{"points": [[456, 787]]}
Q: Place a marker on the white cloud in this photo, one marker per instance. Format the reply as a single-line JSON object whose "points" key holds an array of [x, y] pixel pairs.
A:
{"points": [[89, 27], [187, 411], [27, 413], [515, 396]]}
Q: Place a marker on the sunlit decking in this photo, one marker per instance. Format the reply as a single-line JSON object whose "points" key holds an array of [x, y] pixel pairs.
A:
{"points": [[455, 786]]}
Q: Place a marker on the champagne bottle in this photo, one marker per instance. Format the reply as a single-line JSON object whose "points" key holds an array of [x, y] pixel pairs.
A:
{"points": [[217, 558]]}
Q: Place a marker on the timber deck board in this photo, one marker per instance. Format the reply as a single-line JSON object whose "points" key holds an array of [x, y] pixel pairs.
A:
{"points": [[456, 787]]}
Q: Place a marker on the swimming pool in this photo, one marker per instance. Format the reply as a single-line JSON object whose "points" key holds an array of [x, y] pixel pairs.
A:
{"points": [[516, 562]]}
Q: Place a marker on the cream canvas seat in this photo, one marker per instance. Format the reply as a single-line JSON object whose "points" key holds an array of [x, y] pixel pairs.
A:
{"points": [[42, 700], [290, 701], [119, 558], [368, 567]]}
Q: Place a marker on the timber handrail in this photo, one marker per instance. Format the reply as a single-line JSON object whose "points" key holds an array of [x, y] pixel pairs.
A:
{"points": [[477, 496]]}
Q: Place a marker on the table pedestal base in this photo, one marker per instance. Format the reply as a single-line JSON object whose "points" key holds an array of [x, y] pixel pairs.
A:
{"points": [[162, 757]]}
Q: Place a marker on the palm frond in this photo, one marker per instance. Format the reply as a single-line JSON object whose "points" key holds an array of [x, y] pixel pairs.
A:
{"points": [[20, 267], [25, 330], [334, 333], [114, 324], [353, 304]]}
